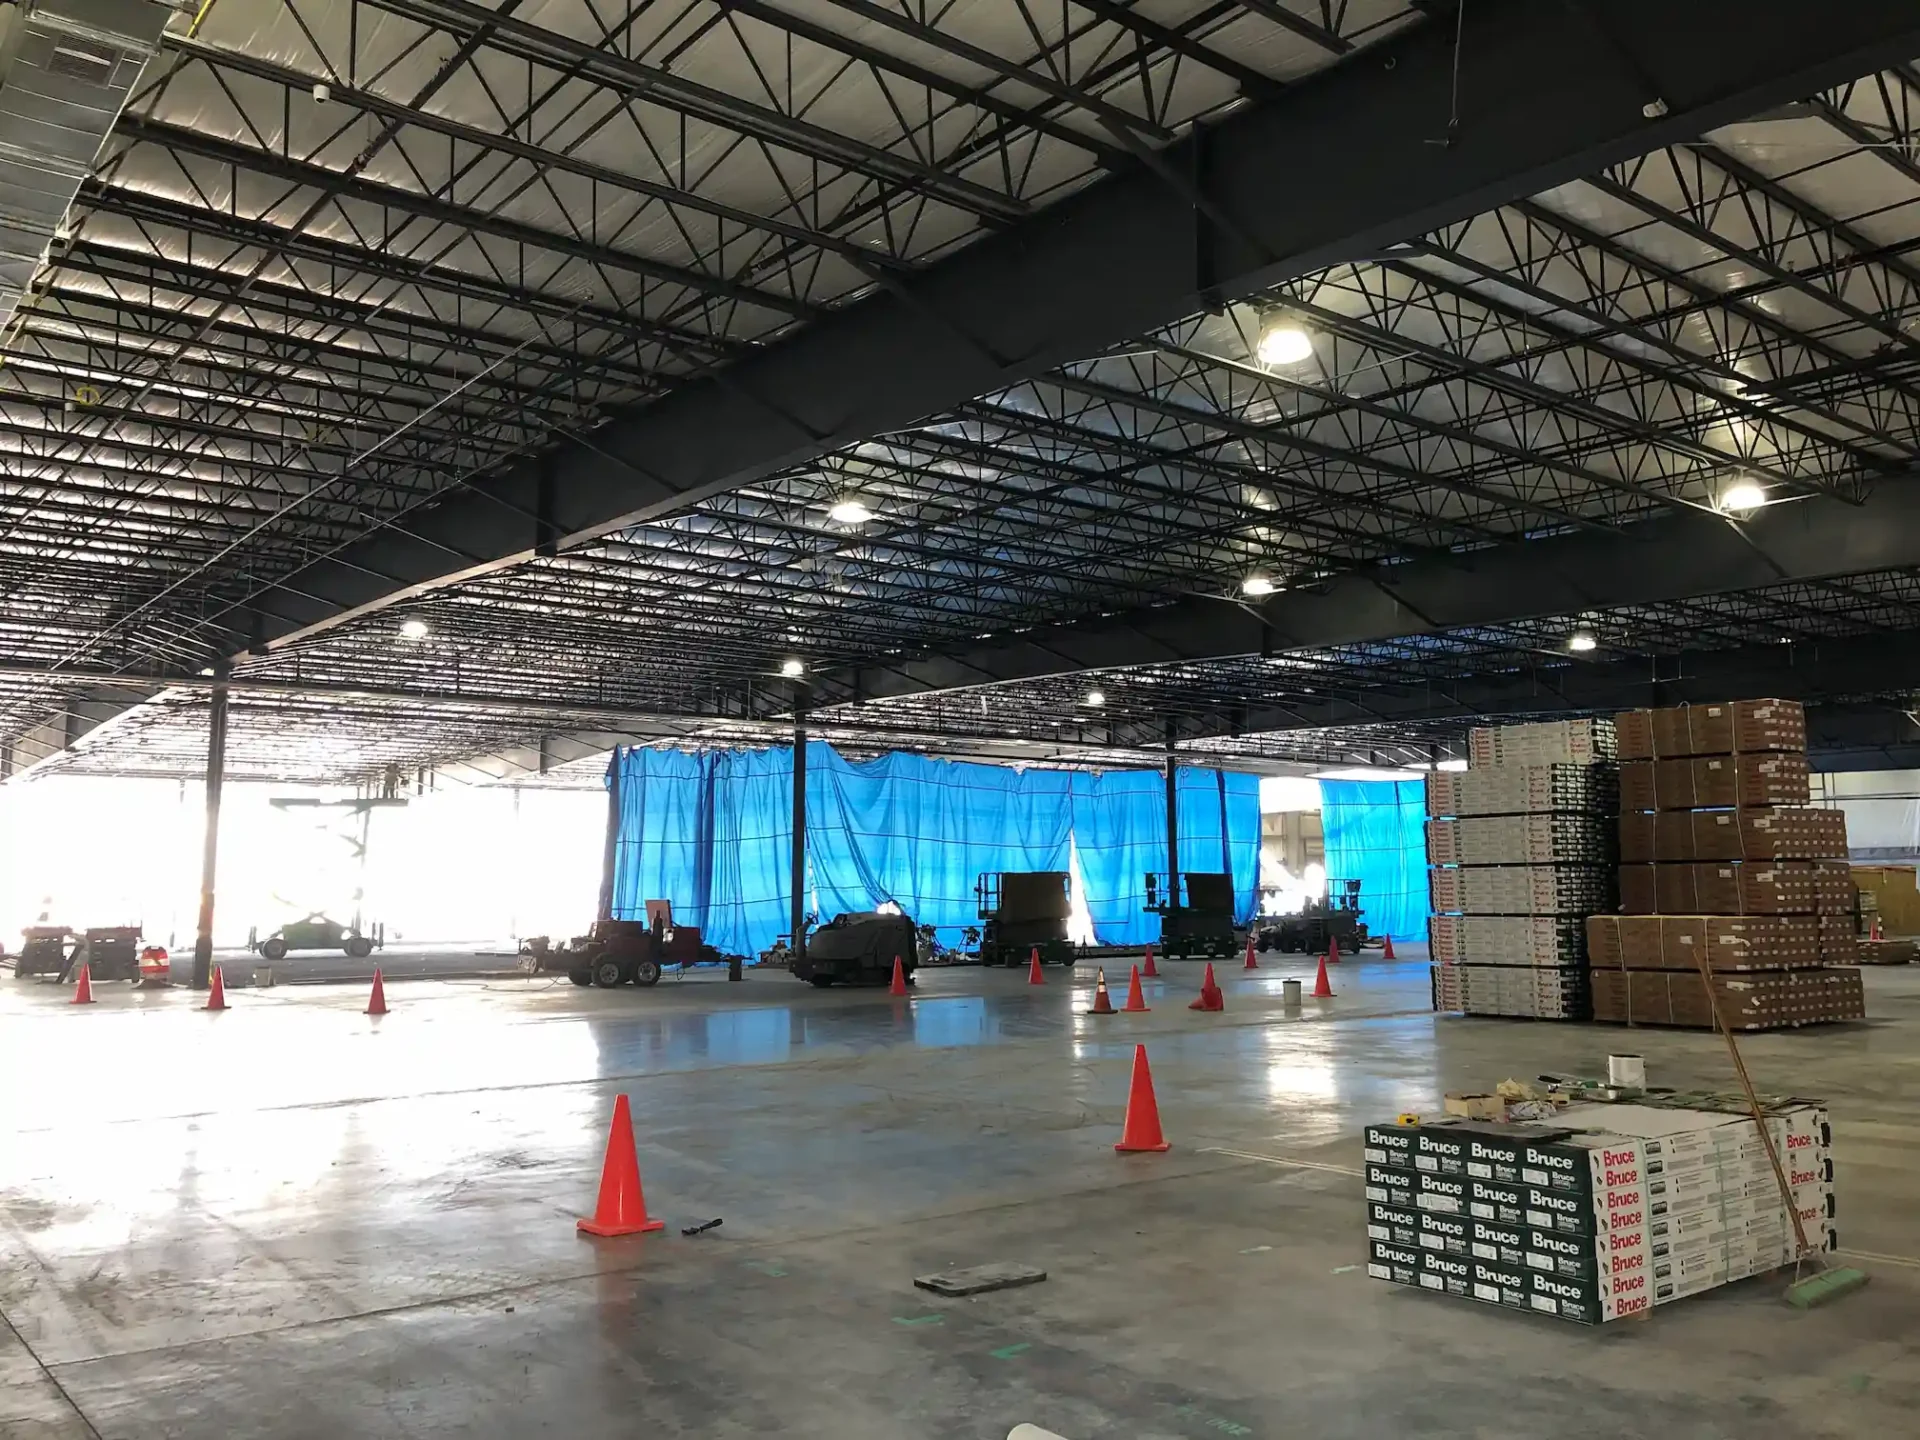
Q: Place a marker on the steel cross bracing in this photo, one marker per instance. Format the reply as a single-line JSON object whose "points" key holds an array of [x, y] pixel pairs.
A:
{"points": [[486, 227], [492, 265], [452, 542]]}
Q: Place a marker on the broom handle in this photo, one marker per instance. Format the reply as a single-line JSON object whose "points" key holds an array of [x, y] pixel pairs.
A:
{"points": [[1753, 1104]]}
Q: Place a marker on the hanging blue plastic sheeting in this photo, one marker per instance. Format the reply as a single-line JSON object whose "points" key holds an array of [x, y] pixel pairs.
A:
{"points": [[1206, 801], [752, 835], [662, 848], [1376, 833], [920, 831], [1120, 830], [712, 833]]}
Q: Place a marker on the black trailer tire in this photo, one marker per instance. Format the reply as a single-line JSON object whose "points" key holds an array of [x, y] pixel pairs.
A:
{"points": [[608, 973], [580, 976], [820, 982], [359, 946], [646, 972], [275, 948]]}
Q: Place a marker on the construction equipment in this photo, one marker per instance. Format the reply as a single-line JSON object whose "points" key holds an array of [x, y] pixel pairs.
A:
{"points": [[1024, 911], [43, 951], [1196, 914], [1335, 916], [317, 932], [110, 952], [858, 948], [619, 952]]}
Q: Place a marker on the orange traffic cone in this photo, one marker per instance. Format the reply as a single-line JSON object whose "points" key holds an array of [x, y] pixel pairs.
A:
{"points": [[899, 985], [1386, 948], [1148, 969], [217, 993], [1252, 964], [1136, 1002], [1141, 1131], [1333, 949], [622, 1207], [1321, 989], [1034, 977], [1102, 1002], [83, 987], [377, 1002], [1210, 996]]}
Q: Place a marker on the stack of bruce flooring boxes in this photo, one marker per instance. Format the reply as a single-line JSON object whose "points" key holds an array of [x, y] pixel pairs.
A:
{"points": [[1603, 1213], [1522, 848], [1722, 858]]}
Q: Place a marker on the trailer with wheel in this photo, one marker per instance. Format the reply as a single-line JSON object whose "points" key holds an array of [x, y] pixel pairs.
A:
{"points": [[317, 932], [1334, 916], [626, 952]]}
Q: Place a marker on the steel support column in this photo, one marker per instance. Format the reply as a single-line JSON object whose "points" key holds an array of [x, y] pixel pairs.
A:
{"points": [[1173, 820], [210, 846], [1226, 849], [610, 847], [797, 876]]}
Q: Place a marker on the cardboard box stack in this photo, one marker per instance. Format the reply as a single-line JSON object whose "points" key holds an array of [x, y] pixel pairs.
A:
{"points": [[1602, 1213], [1522, 849], [1722, 856]]}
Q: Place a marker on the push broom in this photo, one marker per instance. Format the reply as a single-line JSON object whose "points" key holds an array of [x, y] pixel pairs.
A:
{"points": [[1827, 1282]]}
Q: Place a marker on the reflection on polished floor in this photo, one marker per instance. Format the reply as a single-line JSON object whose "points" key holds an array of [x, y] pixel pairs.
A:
{"points": [[292, 1220]]}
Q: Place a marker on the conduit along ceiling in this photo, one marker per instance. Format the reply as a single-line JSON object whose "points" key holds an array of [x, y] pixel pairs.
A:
{"points": [[357, 360]]}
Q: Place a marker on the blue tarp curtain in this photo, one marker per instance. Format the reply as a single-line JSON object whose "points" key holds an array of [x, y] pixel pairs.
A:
{"points": [[920, 832], [711, 831], [1376, 833]]}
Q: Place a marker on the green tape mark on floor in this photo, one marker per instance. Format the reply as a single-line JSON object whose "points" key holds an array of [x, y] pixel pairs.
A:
{"points": [[766, 1267], [1007, 1352], [918, 1319], [1344, 1269], [1208, 1421]]}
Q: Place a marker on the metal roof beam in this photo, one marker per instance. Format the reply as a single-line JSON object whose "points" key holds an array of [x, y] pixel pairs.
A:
{"points": [[1673, 557], [121, 268], [1865, 665], [392, 198], [1126, 255]]}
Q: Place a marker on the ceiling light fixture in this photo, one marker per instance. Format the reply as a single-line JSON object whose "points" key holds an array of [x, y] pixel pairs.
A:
{"points": [[1742, 496], [414, 628], [1257, 585], [850, 510], [1582, 641], [1282, 344], [1095, 698], [792, 669]]}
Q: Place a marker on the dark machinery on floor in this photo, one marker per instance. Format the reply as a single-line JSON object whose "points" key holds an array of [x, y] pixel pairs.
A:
{"points": [[110, 952], [317, 932], [859, 948], [43, 951], [1334, 916], [622, 952], [1024, 911], [1196, 914]]}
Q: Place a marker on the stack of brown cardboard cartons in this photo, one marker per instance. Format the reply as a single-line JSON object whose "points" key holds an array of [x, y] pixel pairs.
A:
{"points": [[1522, 849], [1722, 857]]}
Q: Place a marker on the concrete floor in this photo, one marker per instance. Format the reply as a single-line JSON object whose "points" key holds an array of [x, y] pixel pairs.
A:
{"points": [[291, 1220]]}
